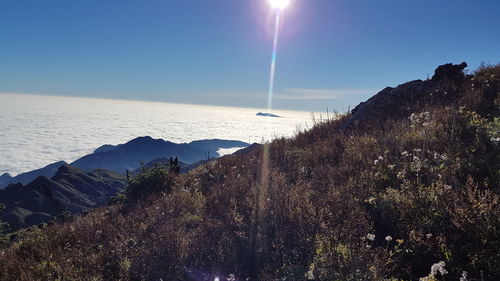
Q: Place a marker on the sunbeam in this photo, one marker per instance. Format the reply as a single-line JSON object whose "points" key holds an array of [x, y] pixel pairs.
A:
{"points": [[273, 60]]}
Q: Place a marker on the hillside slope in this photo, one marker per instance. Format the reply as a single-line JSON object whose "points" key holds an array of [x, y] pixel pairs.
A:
{"points": [[69, 190], [24, 178], [386, 196]]}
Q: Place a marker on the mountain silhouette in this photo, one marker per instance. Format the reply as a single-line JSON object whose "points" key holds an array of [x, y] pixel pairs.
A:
{"points": [[69, 190], [131, 155]]}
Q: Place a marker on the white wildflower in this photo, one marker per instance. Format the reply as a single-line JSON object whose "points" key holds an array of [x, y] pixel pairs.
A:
{"points": [[438, 268], [309, 275], [425, 115], [405, 153], [428, 235], [464, 276], [413, 118], [391, 166], [380, 158], [231, 277], [423, 119], [447, 187], [370, 236], [388, 238], [375, 162], [495, 140], [417, 150]]}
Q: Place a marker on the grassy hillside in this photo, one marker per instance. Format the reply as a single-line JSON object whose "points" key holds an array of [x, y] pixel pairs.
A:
{"points": [[413, 193]]}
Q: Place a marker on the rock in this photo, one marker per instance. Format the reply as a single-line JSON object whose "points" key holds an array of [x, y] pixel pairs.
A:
{"points": [[450, 72]]}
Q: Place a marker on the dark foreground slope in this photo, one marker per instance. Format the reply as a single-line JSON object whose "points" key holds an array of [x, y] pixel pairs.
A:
{"points": [[385, 198], [69, 190]]}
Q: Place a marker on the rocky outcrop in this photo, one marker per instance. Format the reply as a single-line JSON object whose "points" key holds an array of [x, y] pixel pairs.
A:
{"points": [[406, 98], [450, 72]]}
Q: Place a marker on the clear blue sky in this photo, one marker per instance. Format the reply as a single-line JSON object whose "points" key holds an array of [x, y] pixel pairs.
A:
{"points": [[332, 53]]}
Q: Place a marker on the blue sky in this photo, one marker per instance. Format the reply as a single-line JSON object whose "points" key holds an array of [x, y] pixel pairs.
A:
{"points": [[332, 53]]}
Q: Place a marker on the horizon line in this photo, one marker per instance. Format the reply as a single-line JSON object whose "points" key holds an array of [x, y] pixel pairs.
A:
{"points": [[263, 109]]}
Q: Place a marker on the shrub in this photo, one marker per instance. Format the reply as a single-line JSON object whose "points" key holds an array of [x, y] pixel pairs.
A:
{"points": [[156, 179]]}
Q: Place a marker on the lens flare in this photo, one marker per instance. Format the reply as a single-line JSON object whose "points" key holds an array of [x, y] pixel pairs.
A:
{"points": [[279, 4], [273, 60]]}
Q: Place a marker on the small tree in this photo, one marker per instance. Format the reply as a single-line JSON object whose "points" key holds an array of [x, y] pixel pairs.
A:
{"points": [[174, 166], [150, 180]]}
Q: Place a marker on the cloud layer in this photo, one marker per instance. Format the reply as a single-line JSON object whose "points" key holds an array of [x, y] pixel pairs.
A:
{"points": [[38, 130]]}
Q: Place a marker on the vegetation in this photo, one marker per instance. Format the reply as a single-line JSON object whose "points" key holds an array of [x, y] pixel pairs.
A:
{"points": [[157, 179], [397, 199], [3, 225]]}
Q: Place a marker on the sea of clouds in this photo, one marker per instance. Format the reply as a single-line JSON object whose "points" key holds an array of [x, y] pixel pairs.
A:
{"points": [[38, 130]]}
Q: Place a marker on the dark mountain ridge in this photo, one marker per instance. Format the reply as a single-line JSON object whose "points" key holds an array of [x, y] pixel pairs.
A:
{"points": [[24, 178], [69, 190], [130, 155]]}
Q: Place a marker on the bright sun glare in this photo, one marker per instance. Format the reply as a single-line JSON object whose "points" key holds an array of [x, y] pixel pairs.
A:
{"points": [[279, 4]]}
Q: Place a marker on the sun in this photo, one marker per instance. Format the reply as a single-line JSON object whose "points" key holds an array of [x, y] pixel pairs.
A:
{"points": [[279, 4]]}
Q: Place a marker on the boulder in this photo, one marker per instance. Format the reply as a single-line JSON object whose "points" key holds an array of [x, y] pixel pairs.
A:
{"points": [[449, 72]]}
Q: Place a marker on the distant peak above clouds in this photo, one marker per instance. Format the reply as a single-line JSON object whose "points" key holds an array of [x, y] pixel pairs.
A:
{"points": [[130, 156]]}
